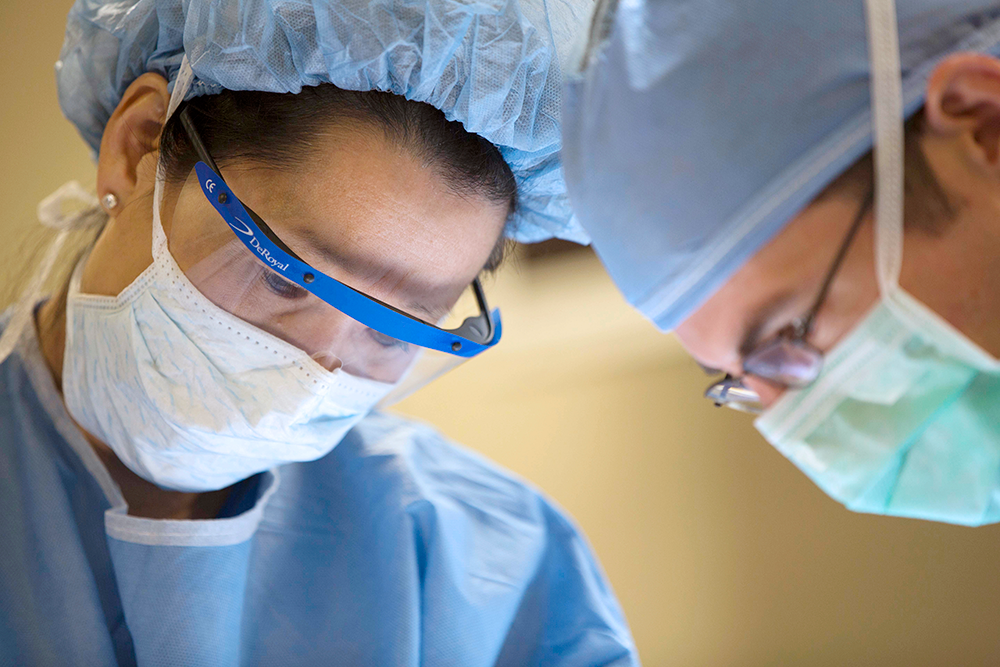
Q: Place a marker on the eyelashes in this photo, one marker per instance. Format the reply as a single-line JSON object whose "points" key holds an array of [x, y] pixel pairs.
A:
{"points": [[388, 342], [289, 290], [709, 370], [281, 287]]}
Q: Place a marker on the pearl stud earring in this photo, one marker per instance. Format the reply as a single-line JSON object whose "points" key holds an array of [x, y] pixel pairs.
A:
{"points": [[110, 201]]}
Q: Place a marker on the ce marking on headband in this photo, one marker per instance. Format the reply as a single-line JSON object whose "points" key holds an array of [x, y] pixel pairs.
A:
{"points": [[243, 227], [474, 335]]}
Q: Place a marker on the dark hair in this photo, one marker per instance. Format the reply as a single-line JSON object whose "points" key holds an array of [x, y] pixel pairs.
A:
{"points": [[927, 206], [279, 129]]}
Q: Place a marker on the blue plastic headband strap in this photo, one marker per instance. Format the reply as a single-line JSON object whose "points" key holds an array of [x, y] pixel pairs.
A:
{"points": [[365, 309]]}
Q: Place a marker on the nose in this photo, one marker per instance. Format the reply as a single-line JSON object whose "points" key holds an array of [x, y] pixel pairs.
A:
{"points": [[767, 391], [327, 360], [329, 337]]}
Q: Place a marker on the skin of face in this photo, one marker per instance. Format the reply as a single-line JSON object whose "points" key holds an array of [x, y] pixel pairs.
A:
{"points": [[954, 270], [404, 236]]}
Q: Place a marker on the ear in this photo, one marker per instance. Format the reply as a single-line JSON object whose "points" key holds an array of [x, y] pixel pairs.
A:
{"points": [[132, 132], [963, 100]]}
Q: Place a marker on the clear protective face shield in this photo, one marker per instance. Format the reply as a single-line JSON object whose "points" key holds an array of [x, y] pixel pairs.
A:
{"points": [[242, 266]]}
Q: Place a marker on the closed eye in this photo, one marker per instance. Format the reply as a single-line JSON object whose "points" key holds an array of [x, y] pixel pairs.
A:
{"points": [[709, 370], [282, 287], [388, 341]]}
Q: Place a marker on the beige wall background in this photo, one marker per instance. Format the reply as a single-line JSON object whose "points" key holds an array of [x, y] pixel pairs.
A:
{"points": [[720, 551]]}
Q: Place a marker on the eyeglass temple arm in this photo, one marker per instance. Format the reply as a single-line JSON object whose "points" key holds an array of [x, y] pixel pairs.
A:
{"points": [[485, 317], [196, 142], [468, 328], [202, 151], [807, 323]]}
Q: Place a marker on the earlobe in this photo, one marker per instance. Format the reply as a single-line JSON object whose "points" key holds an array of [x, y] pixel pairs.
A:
{"points": [[963, 98], [132, 132]]}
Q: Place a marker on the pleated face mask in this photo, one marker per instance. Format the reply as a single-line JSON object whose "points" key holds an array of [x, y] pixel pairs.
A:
{"points": [[904, 418], [188, 395]]}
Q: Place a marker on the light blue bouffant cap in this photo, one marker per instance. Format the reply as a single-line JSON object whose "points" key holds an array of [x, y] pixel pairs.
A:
{"points": [[493, 65], [699, 128]]}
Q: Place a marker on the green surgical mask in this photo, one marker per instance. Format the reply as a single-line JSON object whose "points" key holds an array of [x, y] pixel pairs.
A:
{"points": [[904, 419]]}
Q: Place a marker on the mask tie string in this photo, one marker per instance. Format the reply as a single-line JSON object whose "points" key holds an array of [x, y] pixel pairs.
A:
{"points": [[70, 208], [887, 126]]}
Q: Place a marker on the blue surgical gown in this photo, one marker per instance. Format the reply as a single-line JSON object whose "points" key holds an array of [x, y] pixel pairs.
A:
{"points": [[397, 548]]}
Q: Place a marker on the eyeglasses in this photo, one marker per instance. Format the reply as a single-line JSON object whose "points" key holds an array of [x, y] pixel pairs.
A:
{"points": [[787, 359], [474, 335]]}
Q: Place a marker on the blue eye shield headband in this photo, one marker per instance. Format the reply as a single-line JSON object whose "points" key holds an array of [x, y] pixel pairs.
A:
{"points": [[475, 334]]}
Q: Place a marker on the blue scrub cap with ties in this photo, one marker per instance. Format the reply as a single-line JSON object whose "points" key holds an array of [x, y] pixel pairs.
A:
{"points": [[698, 128], [493, 65]]}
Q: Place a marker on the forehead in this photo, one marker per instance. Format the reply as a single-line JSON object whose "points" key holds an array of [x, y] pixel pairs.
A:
{"points": [[364, 208]]}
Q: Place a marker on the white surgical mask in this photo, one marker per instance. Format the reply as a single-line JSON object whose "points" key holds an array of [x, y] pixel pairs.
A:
{"points": [[190, 397]]}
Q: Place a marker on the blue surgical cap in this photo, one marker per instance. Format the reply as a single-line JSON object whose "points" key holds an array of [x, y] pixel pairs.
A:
{"points": [[493, 65], [698, 128]]}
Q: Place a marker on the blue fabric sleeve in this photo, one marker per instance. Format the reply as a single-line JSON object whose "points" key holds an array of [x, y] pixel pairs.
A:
{"points": [[569, 614]]}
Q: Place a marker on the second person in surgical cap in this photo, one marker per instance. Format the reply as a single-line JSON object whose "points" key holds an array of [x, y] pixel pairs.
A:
{"points": [[718, 155]]}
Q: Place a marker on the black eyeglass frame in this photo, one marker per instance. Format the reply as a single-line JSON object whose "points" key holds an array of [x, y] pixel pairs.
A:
{"points": [[731, 392]]}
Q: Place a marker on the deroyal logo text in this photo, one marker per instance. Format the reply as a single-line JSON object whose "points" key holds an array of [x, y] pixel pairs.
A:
{"points": [[243, 227]]}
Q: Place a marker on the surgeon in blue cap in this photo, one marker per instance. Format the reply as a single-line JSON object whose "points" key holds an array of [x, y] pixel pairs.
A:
{"points": [[291, 199], [808, 194]]}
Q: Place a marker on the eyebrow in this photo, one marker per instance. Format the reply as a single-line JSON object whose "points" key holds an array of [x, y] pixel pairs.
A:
{"points": [[353, 264], [350, 263], [432, 316]]}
